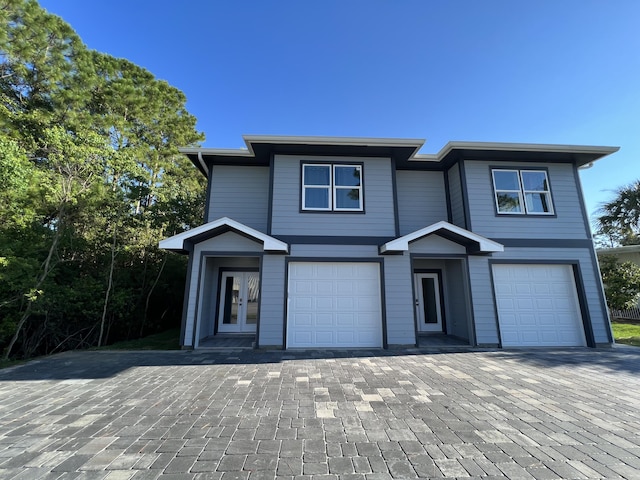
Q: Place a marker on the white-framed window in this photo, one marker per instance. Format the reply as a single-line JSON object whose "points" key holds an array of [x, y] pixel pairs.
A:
{"points": [[332, 187], [520, 192]]}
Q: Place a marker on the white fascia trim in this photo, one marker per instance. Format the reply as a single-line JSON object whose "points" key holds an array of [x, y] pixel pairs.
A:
{"points": [[248, 152], [527, 147], [402, 243], [227, 152], [269, 243], [621, 249], [357, 141]]}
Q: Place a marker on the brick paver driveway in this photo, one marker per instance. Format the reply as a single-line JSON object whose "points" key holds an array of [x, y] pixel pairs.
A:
{"points": [[323, 415]]}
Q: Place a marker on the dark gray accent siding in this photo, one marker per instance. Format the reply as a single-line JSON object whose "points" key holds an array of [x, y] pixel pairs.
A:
{"points": [[348, 251], [455, 195], [378, 219], [457, 300], [240, 193], [434, 245], [484, 306], [567, 223], [422, 199], [185, 297]]}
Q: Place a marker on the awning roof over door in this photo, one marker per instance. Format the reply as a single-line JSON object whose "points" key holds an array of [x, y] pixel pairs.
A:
{"points": [[179, 243], [473, 242]]}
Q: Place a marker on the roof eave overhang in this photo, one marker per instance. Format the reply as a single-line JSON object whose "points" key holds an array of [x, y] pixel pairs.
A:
{"points": [[578, 154], [621, 249], [260, 148], [180, 242], [474, 243]]}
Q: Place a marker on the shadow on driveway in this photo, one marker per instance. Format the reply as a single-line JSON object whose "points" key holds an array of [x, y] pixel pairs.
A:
{"points": [[79, 365]]}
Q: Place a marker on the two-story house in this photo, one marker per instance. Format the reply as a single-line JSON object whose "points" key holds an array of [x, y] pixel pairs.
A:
{"points": [[316, 242]]}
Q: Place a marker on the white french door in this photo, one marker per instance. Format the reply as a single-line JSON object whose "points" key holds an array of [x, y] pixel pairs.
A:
{"points": [[239, 294], [427, 297]]}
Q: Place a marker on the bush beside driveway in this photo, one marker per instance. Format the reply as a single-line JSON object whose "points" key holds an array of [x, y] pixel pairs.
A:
{"points": [[535, 414]]}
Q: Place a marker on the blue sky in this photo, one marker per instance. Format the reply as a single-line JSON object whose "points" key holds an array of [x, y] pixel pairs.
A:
{"points": [[547, 71]]}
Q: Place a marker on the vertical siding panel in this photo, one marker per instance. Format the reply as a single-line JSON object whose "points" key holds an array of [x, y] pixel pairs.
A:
{"points": [[272, 296], [568, 222], [240, 193], [379, 216], [399, 300], [421, 199], [484, 312], [455, 194], [456, 299]]}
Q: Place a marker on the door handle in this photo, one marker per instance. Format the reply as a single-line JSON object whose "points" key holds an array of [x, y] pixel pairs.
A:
{"points": [[417, 303]]}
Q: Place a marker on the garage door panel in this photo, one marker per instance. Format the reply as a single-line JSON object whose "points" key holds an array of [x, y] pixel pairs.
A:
{"points": [[345, 320], [537, 305], [345, 307], [345, 303]]}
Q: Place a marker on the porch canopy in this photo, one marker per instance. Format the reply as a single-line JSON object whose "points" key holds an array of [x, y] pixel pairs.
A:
{"points": [[180, 243], [474, 243]]}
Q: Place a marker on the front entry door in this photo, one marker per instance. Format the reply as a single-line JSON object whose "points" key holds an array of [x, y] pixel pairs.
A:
{"points": [[427, 298], [238, 312]]}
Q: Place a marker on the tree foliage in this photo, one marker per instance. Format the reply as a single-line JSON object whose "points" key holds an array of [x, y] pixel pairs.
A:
{"points": [[621, 282], [618, 220], [90, 181]]}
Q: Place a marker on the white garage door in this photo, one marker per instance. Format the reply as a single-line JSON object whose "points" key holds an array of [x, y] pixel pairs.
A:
{"points": [[334, 304], [538, 306]]}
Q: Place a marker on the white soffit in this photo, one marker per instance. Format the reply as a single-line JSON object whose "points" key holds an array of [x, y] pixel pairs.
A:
{"points": [[177, 242], [402, 243]]}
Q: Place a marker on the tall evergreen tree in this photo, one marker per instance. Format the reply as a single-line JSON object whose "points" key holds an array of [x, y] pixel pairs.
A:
{"points": [[90, 180]]}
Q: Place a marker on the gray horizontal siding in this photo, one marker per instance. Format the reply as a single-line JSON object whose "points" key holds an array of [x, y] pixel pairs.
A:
{"points": [[483, 302], [378, 219], [229, 242], [421, 199], [399, 300], [272, 294], [192, 298], [435, 244], [569, 222], [240, 193], [455, 196]]}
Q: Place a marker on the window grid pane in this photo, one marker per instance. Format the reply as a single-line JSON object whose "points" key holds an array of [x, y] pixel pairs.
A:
{"points": [[509, 202], [506, 180], [346, 176], [316, 198], [347, 198], [317, 175]]}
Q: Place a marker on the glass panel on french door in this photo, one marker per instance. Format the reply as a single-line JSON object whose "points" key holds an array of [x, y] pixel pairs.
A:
{"points": [[253, 290], [429, 295], [231, 294]]}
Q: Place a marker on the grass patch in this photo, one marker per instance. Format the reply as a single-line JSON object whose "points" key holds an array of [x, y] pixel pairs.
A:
{"points": [[11, 363], [627, 333], [168, 340]]}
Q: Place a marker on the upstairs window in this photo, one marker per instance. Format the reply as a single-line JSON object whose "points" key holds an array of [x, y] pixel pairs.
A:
{"points": [[520, 192], [332, 187]]}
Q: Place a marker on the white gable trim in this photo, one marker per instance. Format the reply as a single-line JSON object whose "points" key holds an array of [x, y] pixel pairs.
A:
{"points": [[402, 243], [270, 244]]}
